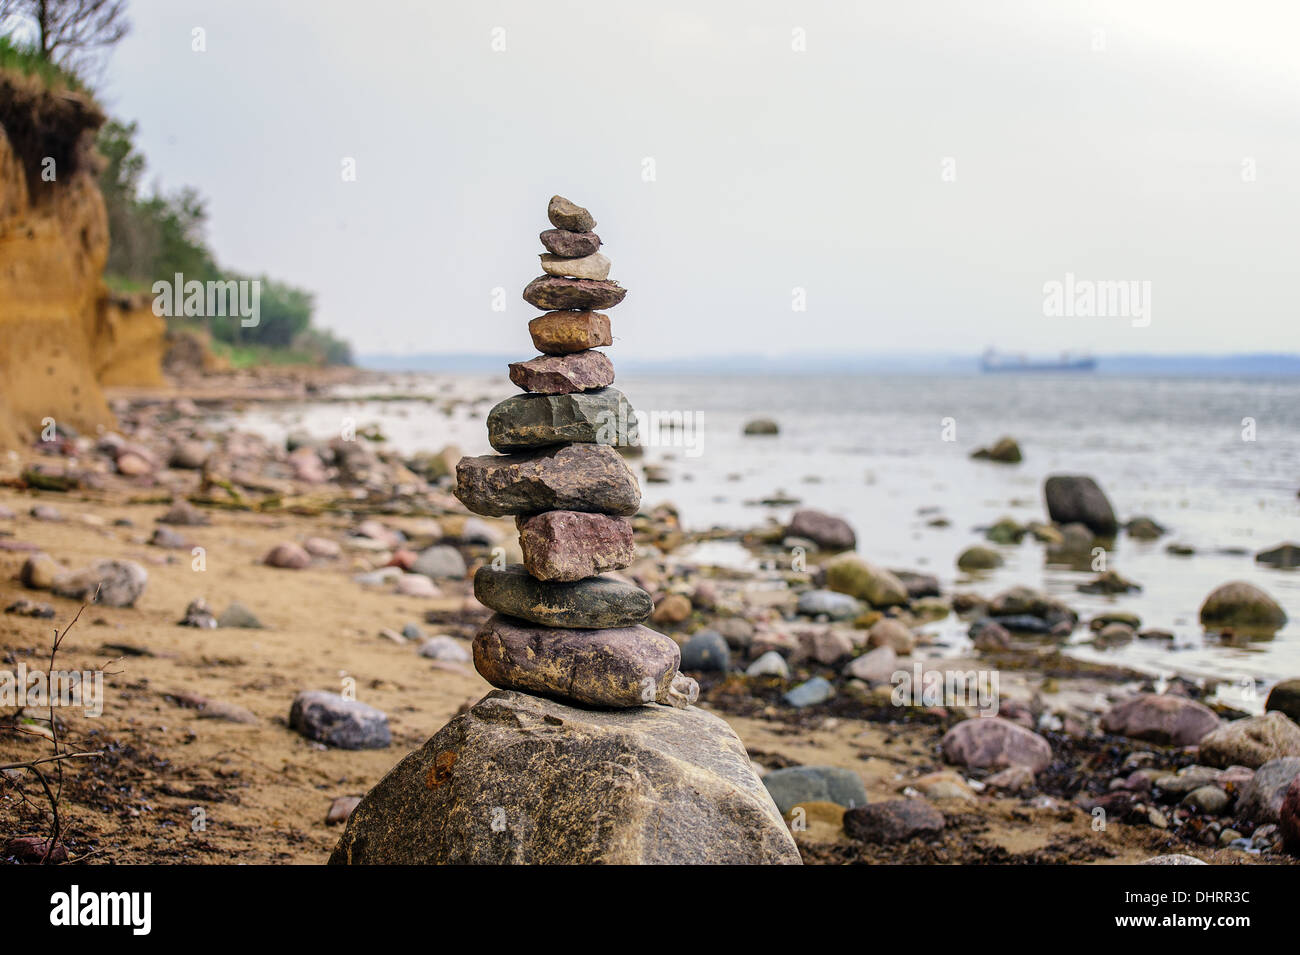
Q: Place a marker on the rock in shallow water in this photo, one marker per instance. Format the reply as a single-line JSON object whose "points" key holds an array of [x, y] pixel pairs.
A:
{"points": [[578, 477], [616, 667], [563, 374], [1078, 499], [573, 545], [551, 292], [594, 603], [1242, 606], [523, 780], [828, 532], [526, 422], [565, 332], [346, 724]]}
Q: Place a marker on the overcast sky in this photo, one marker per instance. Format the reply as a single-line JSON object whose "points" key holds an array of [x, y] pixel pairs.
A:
{"points": [[921, 170]]}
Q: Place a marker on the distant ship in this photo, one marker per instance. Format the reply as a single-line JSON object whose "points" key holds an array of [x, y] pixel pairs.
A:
{"points": [[992, 362]]}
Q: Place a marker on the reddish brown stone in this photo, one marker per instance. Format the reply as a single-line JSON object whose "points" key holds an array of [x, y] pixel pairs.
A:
{"points": [[562, 333], [563, 374], [551, 291], [572, 545], [571, 245]]}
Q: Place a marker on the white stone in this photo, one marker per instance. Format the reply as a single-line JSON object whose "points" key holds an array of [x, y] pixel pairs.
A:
{"points": [[594, 266]]}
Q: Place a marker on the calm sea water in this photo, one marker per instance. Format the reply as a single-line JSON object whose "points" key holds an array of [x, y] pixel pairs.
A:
{"points": [[872, 450]]}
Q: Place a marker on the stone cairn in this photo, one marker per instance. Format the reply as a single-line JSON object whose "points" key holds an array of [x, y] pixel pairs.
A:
{"points": [[562, 627], [563, 764]]}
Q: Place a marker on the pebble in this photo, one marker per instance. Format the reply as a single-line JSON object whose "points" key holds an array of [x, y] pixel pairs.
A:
{"points": [[876, 667], [237, 616], [993, 742], [810, 693], [895, 820], [335, 721], [39, 571], [706, 650], [1251, 742], [113, 583], [891, 633], [829, 603], [803, 784], [185, 514], [287, 556], [673, 609], [167, 538], [444, 648], [440, 562], [417, 585], [770, 663], [1160, 718], [321, 547], [198, 615], [340, 809], [1208, 799]]}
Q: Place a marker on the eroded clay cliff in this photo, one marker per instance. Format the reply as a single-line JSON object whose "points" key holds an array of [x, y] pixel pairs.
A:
{"points": [[63, 335]]}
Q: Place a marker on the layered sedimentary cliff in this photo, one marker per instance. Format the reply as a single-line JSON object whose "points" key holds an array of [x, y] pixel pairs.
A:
{"points": [[63, 336]]}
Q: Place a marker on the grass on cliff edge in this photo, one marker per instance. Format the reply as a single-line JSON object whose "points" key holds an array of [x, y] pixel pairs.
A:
{"points": [[19, 58]]}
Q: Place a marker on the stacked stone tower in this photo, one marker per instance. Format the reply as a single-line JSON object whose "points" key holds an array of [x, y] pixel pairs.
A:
{"points": [[561, 627]]}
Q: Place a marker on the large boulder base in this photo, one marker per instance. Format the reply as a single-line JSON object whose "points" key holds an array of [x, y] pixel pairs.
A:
{"points": [[523, 780]]}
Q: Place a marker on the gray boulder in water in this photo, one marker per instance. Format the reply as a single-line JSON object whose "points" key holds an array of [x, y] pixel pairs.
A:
{"points": [[1076, 499], [523, 780]]}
